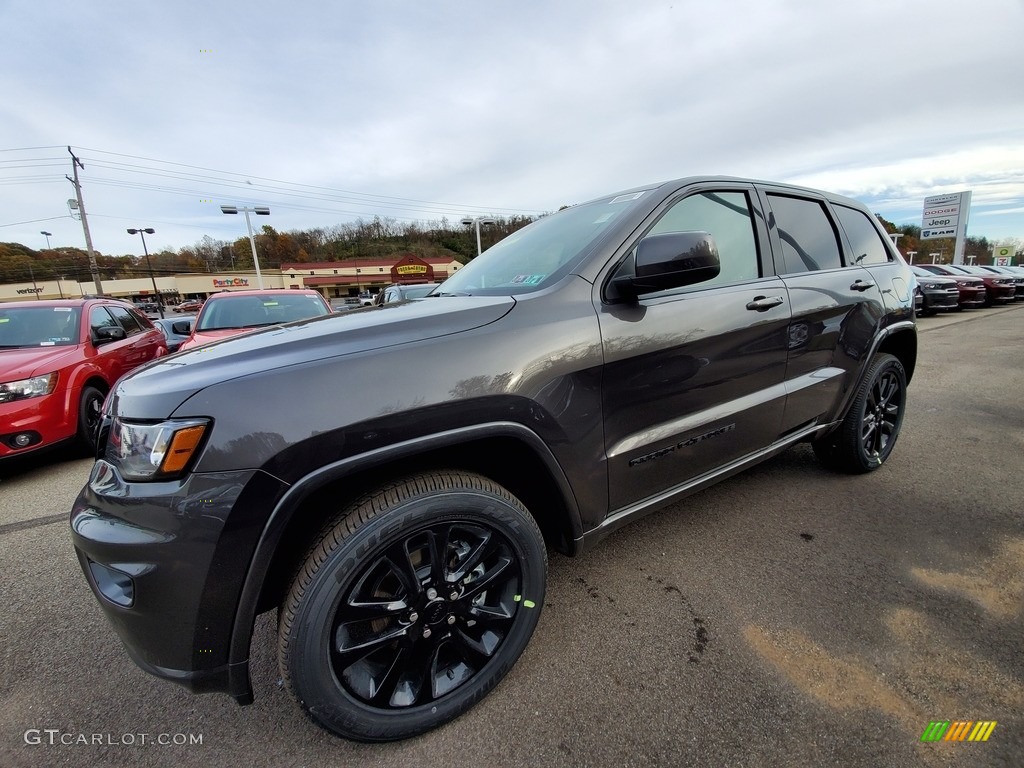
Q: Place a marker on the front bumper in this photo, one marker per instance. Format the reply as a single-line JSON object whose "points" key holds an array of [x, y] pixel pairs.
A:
{"points": [[167, 562], [935, 300], [47, 419]]}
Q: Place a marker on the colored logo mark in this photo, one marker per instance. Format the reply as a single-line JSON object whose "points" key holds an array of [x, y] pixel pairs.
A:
{"points": [[958, 730]]}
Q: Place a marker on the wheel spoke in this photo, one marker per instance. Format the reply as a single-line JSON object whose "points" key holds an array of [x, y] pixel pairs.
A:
{"points": [[449, 669], [479, 651], [437, 544], [491, 614], [500, 572], [482, 551], [411, 685], [367, 611], [383, 688], [352, 645], [398, 559]]}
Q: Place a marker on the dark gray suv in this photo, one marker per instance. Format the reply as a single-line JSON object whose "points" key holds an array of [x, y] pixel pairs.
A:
{"points": [[390, 480]]}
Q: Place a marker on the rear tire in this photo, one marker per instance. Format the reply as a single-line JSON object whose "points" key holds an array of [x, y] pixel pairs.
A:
{"points": [[416, 601], [869, 431]]}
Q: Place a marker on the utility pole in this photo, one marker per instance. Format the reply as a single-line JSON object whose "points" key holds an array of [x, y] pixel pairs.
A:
{"points": [[75, 165]]}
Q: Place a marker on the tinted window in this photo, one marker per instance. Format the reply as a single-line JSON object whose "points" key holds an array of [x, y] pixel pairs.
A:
{"points": [[126, 320], [727, 218], [99, 318], [868, 246], [808, 238]]}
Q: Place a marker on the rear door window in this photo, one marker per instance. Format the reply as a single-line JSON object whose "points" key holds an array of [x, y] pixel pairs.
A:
{"points": [[126, 320], [809, 240]]}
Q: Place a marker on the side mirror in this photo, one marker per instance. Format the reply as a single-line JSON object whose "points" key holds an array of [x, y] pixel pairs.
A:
{"points": [[182, 327], [108, 333], [670, 260]]}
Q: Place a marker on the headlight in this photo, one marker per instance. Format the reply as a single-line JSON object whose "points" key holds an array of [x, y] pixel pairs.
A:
{"points": [[34, 387], [154, 451]]}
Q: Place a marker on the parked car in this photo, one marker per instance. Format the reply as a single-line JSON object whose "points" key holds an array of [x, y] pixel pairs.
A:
{"points": [[937, 293], [233, 312], [58, 360], [390, 481], [175, 330], [998, 289], [404, 292], [346, 303], [1018, 279], [188, 307]]}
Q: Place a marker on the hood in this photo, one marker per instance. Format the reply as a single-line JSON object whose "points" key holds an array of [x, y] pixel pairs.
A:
{"points": [[201, 338], [17, 364], [943, 280], [157, 389]]}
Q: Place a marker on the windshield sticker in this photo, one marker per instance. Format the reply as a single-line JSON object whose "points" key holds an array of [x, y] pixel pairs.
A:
{"points": [[62, 309], [5, 319], [528, 279], [47, 343], [626, 198]]}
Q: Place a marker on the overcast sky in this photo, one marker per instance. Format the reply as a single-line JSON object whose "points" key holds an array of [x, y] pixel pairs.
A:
{"points": [[418, 109]]}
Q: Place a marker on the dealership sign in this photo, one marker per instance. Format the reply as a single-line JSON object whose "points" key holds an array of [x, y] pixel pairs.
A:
{"points": [[946, 216], [942, 214]]}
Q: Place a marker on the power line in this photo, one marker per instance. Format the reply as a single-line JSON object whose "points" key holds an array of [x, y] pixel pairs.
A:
{"points": [[246, 177], [34, 221]]}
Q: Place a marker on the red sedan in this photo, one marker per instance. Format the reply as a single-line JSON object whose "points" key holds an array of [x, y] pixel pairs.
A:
{"points": [[58, 360]]}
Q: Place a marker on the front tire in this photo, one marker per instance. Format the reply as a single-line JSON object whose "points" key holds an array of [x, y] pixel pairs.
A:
{"points": [[418, 599], [90, 407], [868, 433]]}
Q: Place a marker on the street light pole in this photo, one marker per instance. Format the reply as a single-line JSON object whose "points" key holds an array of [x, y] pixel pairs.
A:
{"points": [[142, 233], [911, 254], [47, 235], [259, 210], [935, 257], [476, 221]]}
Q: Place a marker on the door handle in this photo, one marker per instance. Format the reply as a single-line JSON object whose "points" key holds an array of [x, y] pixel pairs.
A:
{"points": [[763, 303], [862, 285]]}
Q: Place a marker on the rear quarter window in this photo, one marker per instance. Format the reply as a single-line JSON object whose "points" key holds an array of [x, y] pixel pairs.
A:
{"points": [[865, 240]]}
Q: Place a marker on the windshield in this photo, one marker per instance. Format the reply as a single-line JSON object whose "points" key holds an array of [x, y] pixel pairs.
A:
{"points": [[240, 311], [38, 327], [538, 255]]}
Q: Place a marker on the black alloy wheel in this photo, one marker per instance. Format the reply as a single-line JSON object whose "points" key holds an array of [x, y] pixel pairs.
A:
{"points": [[414, 604], [869, 431], [90, 408]]}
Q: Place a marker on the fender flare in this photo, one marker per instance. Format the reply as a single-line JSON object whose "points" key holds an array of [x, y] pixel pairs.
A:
{"points": [[277, 523]]}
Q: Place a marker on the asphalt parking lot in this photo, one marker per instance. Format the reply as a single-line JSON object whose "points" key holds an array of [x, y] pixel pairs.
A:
{"points": [[788, 616]]}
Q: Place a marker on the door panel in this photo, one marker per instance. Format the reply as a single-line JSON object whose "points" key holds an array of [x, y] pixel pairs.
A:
{"points": [[691, 382], [831, 332], [836, 305]]}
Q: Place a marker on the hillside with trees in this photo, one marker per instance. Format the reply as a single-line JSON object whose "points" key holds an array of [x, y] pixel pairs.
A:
{"points": [[374, 239]]}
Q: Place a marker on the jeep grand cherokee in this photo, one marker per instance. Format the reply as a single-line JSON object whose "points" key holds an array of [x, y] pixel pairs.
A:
{"points": [[390, 480]]}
